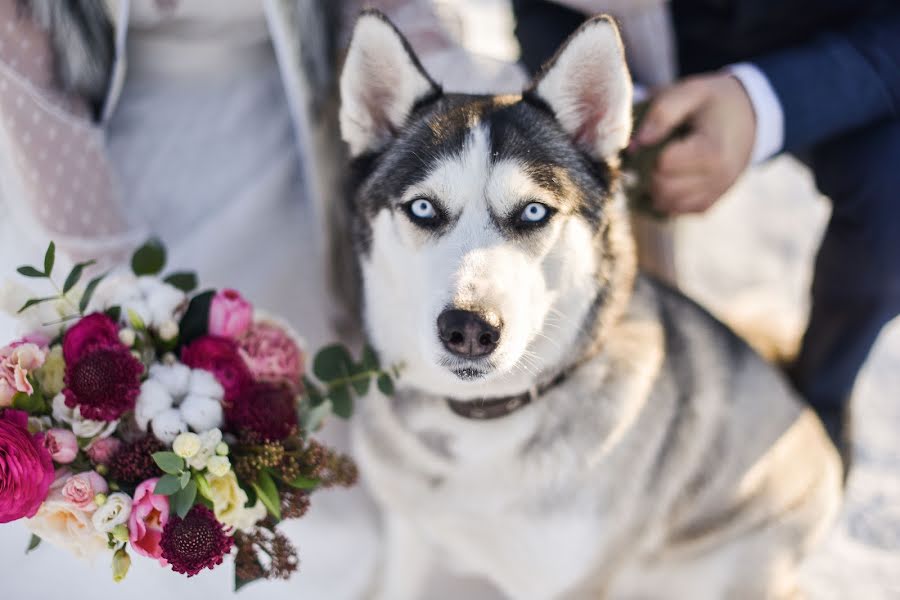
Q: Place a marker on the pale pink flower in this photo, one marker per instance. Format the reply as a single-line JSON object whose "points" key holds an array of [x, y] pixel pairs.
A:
{"points": [[229, 314], [62, 445], [16, 362], [80, 490], [102, 450], [149, 515], [271, 354]]}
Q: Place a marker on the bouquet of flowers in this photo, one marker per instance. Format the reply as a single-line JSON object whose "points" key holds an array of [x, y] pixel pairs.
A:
{"points": [[140, 417]]}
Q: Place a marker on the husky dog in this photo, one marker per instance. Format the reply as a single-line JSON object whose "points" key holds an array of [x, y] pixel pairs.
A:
{"points": [[564, 427]]}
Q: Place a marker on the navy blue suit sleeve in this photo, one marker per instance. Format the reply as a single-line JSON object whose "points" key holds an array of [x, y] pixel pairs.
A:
{"points": [[839, 82]]}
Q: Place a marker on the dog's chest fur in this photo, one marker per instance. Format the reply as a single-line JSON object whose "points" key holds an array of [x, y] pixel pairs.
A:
{"points": [[501, 497]]}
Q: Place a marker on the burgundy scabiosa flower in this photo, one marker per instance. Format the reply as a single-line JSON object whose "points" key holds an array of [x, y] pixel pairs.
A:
{"points": [[196, 542], [133, 462], [219, 356], [102, 377], [267, 409]]}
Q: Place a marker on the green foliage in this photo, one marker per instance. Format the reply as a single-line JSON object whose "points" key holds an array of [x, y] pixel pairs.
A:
{"points": [[89, 293], [149, 259], [169, 462], [343, 377], [33, 543], [303, 483], [267, 492], [31, 272], [195, 322], [36, 301], [75, 275], [183, 499], [167, 485], [183, 280]]}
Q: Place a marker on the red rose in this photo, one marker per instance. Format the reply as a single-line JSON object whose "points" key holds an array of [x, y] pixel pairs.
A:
{"points": [[102, 378], [220, 357], [26, 469]]}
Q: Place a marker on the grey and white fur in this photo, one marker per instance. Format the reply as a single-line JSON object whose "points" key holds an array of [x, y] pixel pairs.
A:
{"points": [[668, 461]]}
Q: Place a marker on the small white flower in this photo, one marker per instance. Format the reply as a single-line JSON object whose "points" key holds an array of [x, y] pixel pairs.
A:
{"points": [[222, 449], [115, 511], [218, 465], [168, 331], [186, 445], [209, 441], [189, 399], [154, 301], [167, 425], [83, 428], [126, 336]]}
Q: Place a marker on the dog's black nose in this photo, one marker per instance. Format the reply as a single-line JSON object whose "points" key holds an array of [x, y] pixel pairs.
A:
{"points": [[467, 334]]}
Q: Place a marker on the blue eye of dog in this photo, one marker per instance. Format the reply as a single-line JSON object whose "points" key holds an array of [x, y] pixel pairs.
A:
{"points": [[534, 213], [421, 209]]}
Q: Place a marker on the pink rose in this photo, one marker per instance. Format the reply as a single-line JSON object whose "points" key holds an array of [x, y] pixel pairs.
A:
{"points": [[149, 515], [102, 450], [80, 489], [62, 445], [25, 466], [229, 314], [16, 362], [220, 357], [272, 354]]}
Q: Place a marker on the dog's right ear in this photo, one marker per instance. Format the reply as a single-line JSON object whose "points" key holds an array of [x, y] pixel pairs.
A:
{"points": [[380, 83]]}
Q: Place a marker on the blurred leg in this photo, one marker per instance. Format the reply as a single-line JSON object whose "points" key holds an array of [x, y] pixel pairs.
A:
{"points": [[856, 288]]}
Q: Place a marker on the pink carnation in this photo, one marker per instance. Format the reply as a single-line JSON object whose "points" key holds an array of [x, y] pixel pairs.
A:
{"points": [[79, 490], [26, 470], [17, 361], [229, 314], [272, 354], [149, 515]]}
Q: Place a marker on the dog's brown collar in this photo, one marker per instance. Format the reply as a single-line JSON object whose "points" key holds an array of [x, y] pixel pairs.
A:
{"points": [[483, 409]]}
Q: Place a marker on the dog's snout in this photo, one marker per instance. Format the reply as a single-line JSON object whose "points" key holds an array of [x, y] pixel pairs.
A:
{"points": [[467, 334]]}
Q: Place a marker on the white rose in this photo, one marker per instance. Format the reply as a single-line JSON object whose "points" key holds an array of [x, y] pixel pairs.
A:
{"points": [[62, 524], [229, 502], [218, 465], [83, 428], [115, 511]]}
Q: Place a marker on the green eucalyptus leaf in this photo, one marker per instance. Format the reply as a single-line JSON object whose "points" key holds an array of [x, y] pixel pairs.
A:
{"points": [[75, 275], [27, 271], [49, 259], [184, 479], [167, 485], [267, 492], [114, 313], [361, 386], [370, 358], [304, 483], [386, 384], [184, 498], [36, 301], [332, 362], [183, 280], [314, 417], [341, 401], [169, 462], [149, 259], [312, 391], [33, 543], [89, 293]]}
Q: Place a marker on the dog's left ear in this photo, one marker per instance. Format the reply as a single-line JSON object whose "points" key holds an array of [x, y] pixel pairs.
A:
{"points": [[589, 89], [380, 83]]}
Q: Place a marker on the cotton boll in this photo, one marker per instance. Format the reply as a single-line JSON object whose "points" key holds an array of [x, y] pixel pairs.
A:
{"points": [[201, 413], [175, 378], [153, 400], [162, 299], [204, 383], [168, 424]]}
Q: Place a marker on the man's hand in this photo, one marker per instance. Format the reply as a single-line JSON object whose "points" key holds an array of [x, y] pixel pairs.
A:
{"points": [[693, 172]]}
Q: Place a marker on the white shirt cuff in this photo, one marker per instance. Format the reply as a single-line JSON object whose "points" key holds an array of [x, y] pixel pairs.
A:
{"points": [[769, 114]]}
